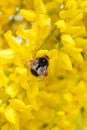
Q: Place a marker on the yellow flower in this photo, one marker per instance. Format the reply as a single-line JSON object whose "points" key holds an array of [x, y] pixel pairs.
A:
{"points": [[56, 29], [39, 29]]}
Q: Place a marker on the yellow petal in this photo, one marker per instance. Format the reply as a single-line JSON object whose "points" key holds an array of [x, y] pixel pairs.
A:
{"points": [[71, 4], [39, 7], [52, 53], [42, 53], [76, 18], [44, 24], [76, 30], [7, 126], [3, 79], [75, 53], [78, 57], [71, 16], [81, 42], [84, 5], [10, 114], [80, 88], [61, 25], [12, 41], [63, 14], [20, 106], [61, 113], [56, 128], [51, 67], [28, 14], [67, 39], [68, 97], [27, 34], [6, 54], [65, 61], [11, 91]]}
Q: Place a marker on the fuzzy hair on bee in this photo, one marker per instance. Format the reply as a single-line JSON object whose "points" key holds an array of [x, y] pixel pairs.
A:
{"points": [[38, 66]]}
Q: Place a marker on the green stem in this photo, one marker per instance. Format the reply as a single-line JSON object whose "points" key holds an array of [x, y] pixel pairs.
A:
{"points": [[47, 38]]}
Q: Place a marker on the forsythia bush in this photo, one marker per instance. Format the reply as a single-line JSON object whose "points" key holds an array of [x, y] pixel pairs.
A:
{"points": [[36, 28]]}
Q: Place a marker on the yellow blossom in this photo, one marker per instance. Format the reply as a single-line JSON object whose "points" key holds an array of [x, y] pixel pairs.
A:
{"points": [[55, 30]]}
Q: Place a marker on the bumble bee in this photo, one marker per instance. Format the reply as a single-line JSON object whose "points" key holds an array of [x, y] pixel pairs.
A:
{"points": [[38, 67]]}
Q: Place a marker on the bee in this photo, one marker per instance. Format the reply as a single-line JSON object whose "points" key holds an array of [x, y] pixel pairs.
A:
{"points": [[38, 67]]}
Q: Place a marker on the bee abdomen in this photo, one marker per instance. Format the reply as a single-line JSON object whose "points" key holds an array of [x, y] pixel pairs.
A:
{"points": [[34, 72]]}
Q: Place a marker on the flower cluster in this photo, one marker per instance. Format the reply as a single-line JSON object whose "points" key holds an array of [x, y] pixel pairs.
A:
{"points": [[10, 17], [56, 29]]}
